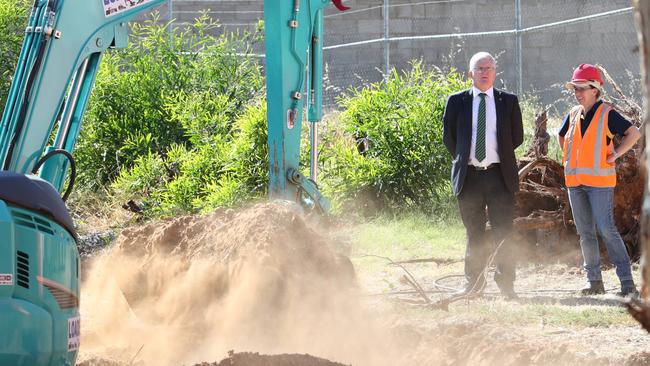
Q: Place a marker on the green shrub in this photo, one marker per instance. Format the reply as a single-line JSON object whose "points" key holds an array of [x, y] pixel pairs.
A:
{"points": [[149, 173], [196, 169], [394, 155], [222, 169], [530, 107], [250, 151], [178, 87], [187, 131], [206, 118], [13, 20], [226, 192]]}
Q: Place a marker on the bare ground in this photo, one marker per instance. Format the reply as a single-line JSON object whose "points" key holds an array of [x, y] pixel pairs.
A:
{"points": [[192, 289], [549, 324]]}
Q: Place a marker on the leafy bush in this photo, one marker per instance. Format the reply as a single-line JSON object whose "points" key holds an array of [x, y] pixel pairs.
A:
{"points": [[13, 20], [530, 107], [250, 151], [178, 87], [187, 131], [196, 169], [246, 164], [148, 174], [223, 169], [395, 157]]}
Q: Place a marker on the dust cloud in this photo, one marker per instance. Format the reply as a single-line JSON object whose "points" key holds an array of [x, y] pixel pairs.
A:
{"points": [[190, 289], [263, 283]]}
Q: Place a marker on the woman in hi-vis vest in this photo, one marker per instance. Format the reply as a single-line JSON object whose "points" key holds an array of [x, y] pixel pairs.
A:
{"points": [[589, 157]]}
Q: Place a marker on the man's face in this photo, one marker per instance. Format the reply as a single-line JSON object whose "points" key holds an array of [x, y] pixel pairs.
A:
{"points": [[483, 74]]}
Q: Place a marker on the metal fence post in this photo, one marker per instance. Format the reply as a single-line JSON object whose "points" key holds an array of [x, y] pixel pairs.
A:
{"points": [[518, 53], [170, 15], [386, 36]]}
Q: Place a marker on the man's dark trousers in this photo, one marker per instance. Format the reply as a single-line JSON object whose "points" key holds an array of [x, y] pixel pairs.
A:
{"points": [[486, 188]]}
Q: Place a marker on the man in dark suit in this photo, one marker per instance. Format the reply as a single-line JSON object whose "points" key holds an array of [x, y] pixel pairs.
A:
{"points": [[482, 129]]}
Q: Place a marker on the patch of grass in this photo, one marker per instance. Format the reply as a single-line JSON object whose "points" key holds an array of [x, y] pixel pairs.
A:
{"points": [[549, 314], [410, 236], [97, 211], [545, 317]]}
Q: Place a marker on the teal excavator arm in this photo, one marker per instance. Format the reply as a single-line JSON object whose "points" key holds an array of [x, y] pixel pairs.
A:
{"points": [[294, 35], [61, 53], [64, 43]]}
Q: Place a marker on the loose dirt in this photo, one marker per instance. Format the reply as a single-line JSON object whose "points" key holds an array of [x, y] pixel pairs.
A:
{"points": [[244, 359], [265, 283], [255, 359], [190, 289]]}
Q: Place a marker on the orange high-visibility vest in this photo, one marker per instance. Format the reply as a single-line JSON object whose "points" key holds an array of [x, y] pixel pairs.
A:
{"points": [[585, 157]]}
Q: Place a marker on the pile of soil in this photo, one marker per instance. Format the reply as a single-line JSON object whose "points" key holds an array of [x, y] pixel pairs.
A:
{"points": [[99, 362], [242, 359], [269, 244], [272, 234], [189, 289], [255, 359]]}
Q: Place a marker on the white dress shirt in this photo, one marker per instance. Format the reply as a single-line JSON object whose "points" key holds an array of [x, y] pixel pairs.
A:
{"points": [[491, 151]]}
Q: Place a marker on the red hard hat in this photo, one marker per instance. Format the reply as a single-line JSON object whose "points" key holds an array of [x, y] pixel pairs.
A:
{"points": [[586, 74]]}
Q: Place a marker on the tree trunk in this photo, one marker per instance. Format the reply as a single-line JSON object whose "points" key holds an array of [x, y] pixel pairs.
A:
{"points": [[642, 20]]}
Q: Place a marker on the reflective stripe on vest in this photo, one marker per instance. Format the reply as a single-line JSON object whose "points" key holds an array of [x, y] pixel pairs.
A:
{"points": [[594, 174]]}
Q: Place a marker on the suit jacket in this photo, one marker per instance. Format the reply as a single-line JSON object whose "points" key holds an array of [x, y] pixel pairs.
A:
{"points": [[457, 135]]}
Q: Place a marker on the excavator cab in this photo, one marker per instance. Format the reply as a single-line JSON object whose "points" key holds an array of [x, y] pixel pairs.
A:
{"points": [[39, 283]]}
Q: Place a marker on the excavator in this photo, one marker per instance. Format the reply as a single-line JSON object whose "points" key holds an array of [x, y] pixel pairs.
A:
{"points": [[61, 53]]}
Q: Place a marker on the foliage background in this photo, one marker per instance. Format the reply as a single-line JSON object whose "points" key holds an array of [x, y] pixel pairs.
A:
{"points": [[13, 20], [397, 160], [177, 124]]}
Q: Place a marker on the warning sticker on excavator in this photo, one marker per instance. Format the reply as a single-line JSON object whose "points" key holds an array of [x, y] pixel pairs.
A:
{"points": [[6, 279], [74, 333], [113, 7]]}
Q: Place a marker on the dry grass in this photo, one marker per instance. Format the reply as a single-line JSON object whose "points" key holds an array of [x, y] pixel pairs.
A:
{"points": [[95, 212]]}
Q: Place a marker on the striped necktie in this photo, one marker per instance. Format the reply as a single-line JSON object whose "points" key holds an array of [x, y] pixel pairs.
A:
{"points": [[480, 130]]}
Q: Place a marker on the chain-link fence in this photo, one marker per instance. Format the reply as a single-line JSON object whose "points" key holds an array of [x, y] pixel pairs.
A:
{"points": [[537, 43]]}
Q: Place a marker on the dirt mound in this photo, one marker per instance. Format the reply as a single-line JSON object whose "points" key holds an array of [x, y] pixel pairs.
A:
{"points": [[189, 289], [99, 362], [273, 234], [255, 359], [639, 359], [241, 359]]}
